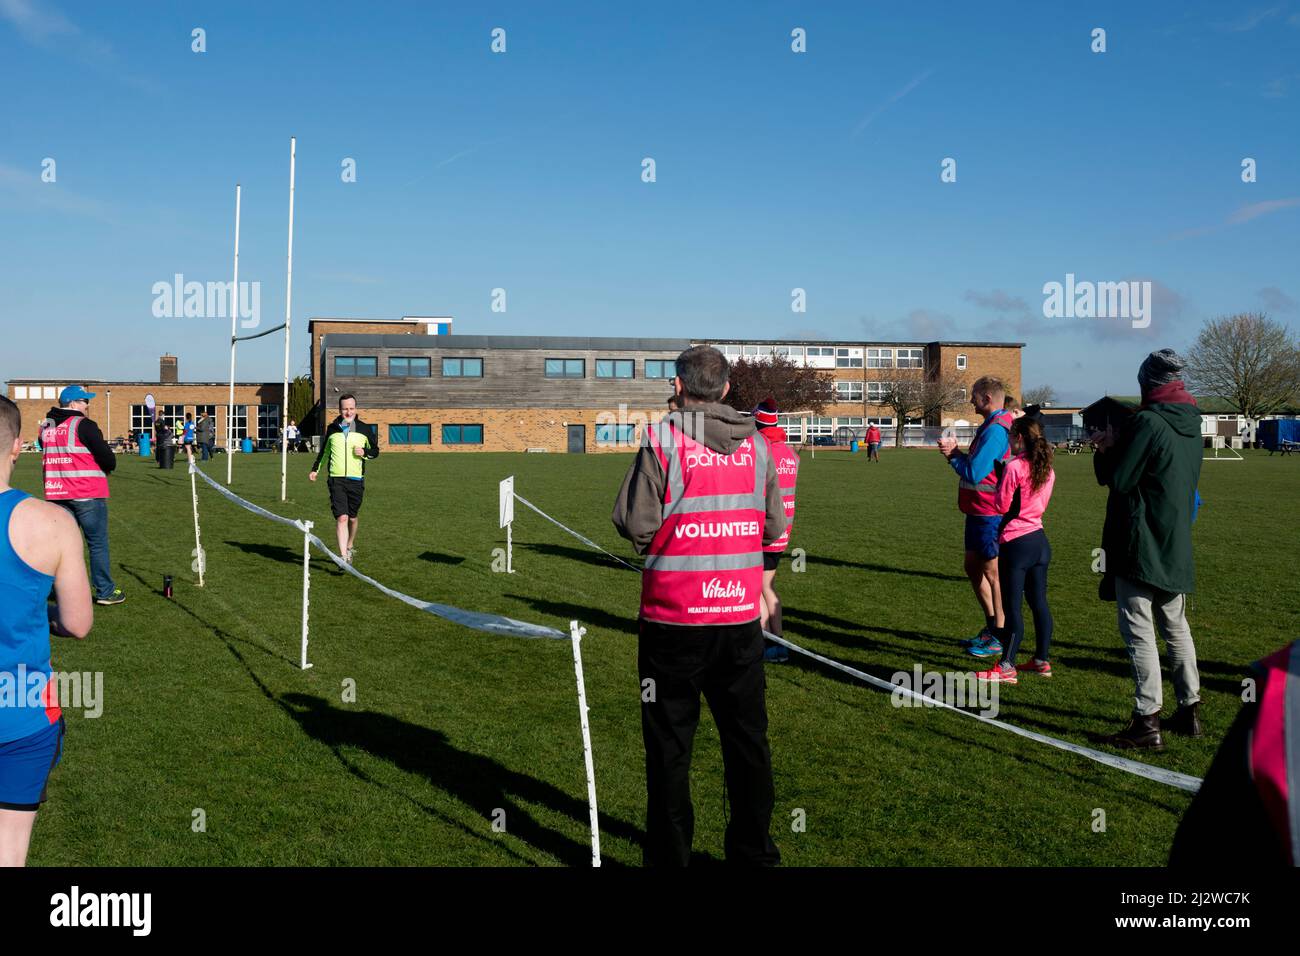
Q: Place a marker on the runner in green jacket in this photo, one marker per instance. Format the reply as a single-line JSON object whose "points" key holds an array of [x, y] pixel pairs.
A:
{"points": [[348, 443]]}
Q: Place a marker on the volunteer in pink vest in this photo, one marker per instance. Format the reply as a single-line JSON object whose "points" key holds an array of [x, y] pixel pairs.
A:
{"points": [[977, 474], [1246, 815], [77, 462], [701, 501], [787, 470]]}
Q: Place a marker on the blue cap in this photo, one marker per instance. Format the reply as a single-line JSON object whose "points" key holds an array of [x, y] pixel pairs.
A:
{"points": [[75, 393]]}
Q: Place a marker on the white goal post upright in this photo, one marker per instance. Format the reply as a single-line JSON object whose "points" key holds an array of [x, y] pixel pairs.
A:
{"points": [[576, 633], [288, 302], [1217, 442], [234, 321]]}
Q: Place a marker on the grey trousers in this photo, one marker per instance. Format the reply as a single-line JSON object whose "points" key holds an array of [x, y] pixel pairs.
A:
{"points": [[1142, 610]]}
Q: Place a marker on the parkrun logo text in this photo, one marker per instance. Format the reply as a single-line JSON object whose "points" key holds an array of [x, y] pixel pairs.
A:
{"points": [[207, 300], [919, 688], [70, 690], [134, 910], [715, 529], [708, 459], [1098, 300]]}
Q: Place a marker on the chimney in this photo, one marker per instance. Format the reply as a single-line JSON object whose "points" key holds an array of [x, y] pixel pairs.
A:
{"points": [[167, 370]]}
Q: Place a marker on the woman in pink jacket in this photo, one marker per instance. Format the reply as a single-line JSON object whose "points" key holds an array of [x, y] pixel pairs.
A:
{"points": [[1023, 551]]}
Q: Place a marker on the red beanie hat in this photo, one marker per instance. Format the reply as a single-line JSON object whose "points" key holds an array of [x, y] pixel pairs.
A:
{"points": [[765, 413]]}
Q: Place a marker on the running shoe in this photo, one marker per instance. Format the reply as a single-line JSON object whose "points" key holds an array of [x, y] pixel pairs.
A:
{"points": [[776, 654], [117, 597], [970, 641], [1041, 668], [998, 675], [352, 553], [987, 647]]}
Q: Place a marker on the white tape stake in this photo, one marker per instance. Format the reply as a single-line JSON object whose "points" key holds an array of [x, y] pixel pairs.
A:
{"points": [[199, 558], [306, 584], [506, 508], [576, 633]]}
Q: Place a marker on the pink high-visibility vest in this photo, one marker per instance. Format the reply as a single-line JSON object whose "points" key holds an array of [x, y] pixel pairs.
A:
{"points": [[70, 469], [1275, 748], [705, 563], [787, 471], [977, 498]]}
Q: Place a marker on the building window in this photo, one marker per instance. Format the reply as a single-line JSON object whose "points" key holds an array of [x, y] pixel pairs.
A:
{"points": [[820, 426], [268, 422], [752, 351], [171, 414], [47, 391], [200, 410], [848, 420], [409, 434], [880, 358], [462, 434], [462, 368], [353, 366], [961, 362], [882, 422], [848, 358], [20, 392], [408, 367], [876, 392], [615, 434], [732, 352], [848, 391], [237, 422], [911, 358], [614, 368], [566, 368], [792, 426], [141, 420], [660, 368]]}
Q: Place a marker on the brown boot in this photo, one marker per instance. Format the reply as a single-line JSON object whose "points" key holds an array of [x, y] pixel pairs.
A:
{"points": [[1142, 733], [1185, 722]]}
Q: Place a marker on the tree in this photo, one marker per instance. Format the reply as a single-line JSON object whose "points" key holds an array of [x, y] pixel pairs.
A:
{"points": [[1248, 360], [1038, 395], [794, 388], [911, 393], [300, 403]]}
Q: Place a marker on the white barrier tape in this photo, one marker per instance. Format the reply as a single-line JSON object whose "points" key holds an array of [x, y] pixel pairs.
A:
{"points": [[587, 541], [1158, 774], [492, 623]]}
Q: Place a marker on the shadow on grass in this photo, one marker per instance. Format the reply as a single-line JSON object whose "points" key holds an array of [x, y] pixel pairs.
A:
{"points": [[275, 552], [884, 568], [435, 557], [584, 615], [1123, 668], [478, 781], [585, 555]]}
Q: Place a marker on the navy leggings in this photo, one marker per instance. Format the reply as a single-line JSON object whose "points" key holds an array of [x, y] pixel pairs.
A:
{"points": [[1022, 569]]}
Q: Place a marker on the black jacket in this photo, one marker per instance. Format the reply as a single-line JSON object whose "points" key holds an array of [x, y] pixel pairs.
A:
{"points": [[89, 435]]}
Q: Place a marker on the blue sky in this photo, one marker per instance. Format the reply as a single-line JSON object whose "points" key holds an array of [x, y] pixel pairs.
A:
{"points": [[522, 171]]}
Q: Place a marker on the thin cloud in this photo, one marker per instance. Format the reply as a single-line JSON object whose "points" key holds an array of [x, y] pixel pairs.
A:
{"points": [[1275, 300], [1253, 19], [890, 101], [1280, 87], [27, 188], [1236, 218], [45, 27], [997, 300]]}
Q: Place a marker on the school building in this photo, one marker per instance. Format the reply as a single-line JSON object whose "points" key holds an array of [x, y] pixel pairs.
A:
{"points": [[431, 390], [119, 408]]}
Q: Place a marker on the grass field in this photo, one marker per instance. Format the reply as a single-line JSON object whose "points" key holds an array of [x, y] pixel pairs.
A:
{"points": [[205, 707]]}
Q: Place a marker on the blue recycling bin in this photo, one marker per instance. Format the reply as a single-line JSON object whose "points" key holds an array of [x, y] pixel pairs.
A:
{"points": [[145, 442], [246, 446], [853, 446]]}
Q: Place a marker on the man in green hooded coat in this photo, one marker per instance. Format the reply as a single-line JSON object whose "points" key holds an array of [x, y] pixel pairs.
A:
{"points": [[1152, 468]]}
